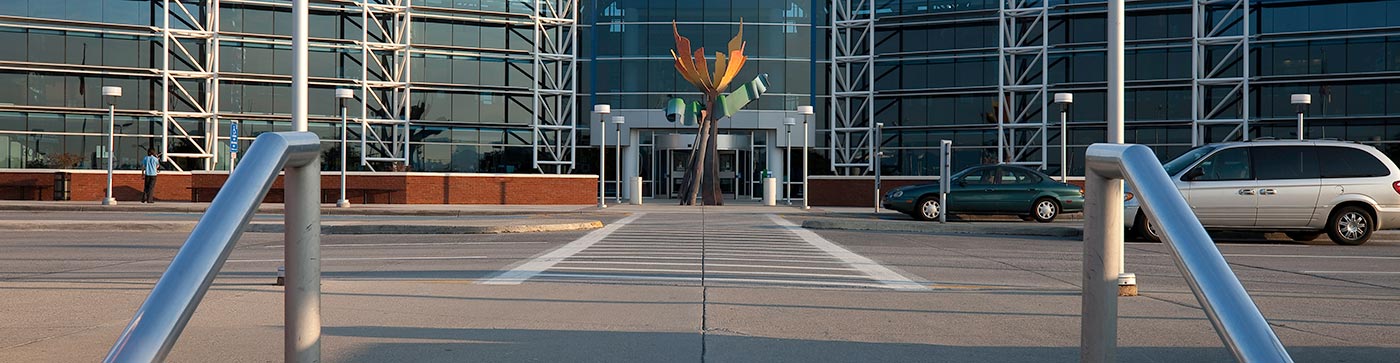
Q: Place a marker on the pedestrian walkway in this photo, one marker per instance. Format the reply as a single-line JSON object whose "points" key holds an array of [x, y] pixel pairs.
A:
{"points": [[707, 249]]}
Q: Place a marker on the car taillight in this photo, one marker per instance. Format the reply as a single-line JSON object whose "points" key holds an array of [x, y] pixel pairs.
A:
{"points": [[1081, 190], [1396, 186]]}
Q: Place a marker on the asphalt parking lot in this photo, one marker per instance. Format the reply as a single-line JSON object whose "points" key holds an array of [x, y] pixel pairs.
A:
{"points": [[712, 286]]}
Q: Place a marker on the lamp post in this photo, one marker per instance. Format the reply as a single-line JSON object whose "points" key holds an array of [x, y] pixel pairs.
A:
{"points": [[342, 94], [602, 150], [1064, 100], [876, 160], [1301, 102], [787, 160], [111, 92], [617, 159], [807, 113]]}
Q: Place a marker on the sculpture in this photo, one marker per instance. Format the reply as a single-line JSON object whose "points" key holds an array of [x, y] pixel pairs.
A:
{"points": [[701, 179]]}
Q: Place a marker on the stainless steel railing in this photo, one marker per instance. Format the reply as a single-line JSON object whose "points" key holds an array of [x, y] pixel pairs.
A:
{"points": [[1236, 319], [158, 323]]}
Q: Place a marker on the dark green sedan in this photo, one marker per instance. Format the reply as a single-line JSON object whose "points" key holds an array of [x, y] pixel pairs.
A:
{"points": [[991, 189]]}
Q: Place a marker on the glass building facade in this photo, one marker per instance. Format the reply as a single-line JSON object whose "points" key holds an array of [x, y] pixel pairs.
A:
{"points": [[455, 85]]}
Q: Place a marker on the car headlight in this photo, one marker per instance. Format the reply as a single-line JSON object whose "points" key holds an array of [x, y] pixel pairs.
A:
{"points": [[897, 194]]}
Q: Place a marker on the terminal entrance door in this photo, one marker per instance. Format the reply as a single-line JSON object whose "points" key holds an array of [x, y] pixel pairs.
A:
{"points": [[672, 151]]}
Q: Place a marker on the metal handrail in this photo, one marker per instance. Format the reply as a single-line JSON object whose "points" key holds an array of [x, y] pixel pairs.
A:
{"points": [[158, 323], [1237, 320]]}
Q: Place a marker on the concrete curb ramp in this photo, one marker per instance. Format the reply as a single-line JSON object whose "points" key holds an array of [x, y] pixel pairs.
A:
{"points": [[1013, 229], [327, 227]]}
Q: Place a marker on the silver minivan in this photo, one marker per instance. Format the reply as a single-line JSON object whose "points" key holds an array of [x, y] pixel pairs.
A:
{"points": [[1303, 188]]}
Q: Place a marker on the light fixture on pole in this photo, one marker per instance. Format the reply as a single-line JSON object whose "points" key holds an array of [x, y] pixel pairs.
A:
{"points": [[1301, 102], [617, 159], [602, 150], [877, 159], [1064, 100], [111, 92], [788, 123], [807, 113], [342, 94]]}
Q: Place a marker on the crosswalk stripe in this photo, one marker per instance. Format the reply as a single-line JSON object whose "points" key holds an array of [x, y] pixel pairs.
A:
{"points": [[540, 264], [870, 267]]}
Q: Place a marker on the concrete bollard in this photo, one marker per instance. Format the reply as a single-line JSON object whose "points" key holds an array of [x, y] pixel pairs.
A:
{"points": [[636, 198], [770, 191]]}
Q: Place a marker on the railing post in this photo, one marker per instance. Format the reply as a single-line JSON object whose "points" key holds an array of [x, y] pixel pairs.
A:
{"points": [[302, 231], [1103, 252]]}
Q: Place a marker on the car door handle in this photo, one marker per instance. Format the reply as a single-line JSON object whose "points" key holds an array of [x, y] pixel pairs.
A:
{"points": [[1246, 192], [988, 189], [1267, 192]]}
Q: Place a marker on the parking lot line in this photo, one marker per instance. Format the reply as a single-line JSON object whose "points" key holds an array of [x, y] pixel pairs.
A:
{"points": [[1315, 256], [1352, 272]]}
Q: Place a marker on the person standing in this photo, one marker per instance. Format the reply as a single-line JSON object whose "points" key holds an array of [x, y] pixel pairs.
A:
{"points": [[149, 165]]}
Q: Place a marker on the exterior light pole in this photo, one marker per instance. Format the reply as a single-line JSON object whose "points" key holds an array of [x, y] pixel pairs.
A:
{"points": [[877, 160], [1064, 100], [111, 92], [807, 113], [617, 158], [787, 160], [602, 110], [342, 94], [1301, 102]]}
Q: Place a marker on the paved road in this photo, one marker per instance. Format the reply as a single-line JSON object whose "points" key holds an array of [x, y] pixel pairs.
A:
{"points": [[715, 286]]}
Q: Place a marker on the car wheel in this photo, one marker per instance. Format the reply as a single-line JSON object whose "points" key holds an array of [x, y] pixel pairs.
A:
{"points": [[1045, 210], [1350, 226], [927, 209], [1303, 236], [1145, 229]]}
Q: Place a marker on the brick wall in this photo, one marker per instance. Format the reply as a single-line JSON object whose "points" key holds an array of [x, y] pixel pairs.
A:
{"points": [[361, 188], [853, 192], [453, 189]]}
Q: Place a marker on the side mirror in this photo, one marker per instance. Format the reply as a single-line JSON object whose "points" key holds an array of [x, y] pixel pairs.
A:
{"points": [[1192, 174], [962, 182]]}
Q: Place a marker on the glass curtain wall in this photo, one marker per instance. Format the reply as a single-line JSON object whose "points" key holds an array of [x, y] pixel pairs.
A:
{"points": [[469, 70], [936, 76]]}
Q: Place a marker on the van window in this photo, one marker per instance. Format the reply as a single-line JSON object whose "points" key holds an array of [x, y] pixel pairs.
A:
{"points": [[1284, 162], [1228, 164], [1346, 162]]}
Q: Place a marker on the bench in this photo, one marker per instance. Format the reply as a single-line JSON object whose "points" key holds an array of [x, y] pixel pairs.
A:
{"points": [[26, 188]]}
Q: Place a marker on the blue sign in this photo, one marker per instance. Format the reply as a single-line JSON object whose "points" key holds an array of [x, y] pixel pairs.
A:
{"points": [[233, 138]]}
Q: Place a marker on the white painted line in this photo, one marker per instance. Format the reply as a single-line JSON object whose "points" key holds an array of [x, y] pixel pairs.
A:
{"points": [[716, 279], [707, 247], [707, 253], [376, 258], [1353, 272], [411, 244], [709, 258], [874, 269], [539, 264], [1316, 256], [576, 261], [711, 271]]}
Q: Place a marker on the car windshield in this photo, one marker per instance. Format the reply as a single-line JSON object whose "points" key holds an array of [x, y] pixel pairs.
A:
{"points": [[1185, 160]]}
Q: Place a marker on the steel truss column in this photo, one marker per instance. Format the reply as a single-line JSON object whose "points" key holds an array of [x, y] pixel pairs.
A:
{"points": [[852, 86], [190, 77], [1022, 87], [556, 83], [1220, 69], [385, 110]]}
